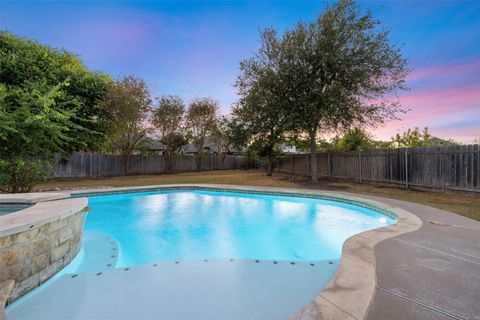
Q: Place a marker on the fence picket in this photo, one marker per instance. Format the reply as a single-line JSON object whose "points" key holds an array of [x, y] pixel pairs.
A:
{"points": [[443, 168]]}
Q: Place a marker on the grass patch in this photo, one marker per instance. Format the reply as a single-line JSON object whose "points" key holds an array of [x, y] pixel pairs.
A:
{"points": [[465, 205]]}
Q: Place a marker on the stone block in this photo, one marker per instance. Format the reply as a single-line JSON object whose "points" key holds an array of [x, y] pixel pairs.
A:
{"points": [[10, 256], [41, 246], [56, 225], [48, 272], [18, 272], [27, 236], [24, 286], [41, 262], [65, 234], [5, 288], [6, 242], [60, 251]]}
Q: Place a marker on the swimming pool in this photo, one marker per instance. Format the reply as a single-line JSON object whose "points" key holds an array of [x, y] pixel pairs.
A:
{"points": [[250, 250], [149, 227]]}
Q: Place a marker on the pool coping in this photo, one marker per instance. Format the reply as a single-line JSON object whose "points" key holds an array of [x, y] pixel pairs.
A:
{"points": [[350, 292], [39, 214]]}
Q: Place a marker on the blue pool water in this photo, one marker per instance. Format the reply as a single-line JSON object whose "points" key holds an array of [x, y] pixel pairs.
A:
{"points": [[229, 255], [193, 224]]}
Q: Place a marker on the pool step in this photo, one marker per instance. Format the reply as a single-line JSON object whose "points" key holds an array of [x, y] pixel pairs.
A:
{"points": [[100, 252], [205, 289]]}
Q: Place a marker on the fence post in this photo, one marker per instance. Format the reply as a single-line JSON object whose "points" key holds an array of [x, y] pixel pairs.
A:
{"points": [[328, 165], [360, 164], [291, 165], [308, 165], [406, 168]]}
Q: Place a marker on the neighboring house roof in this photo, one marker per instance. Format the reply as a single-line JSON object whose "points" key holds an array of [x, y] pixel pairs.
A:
{"points": [[188, 148], [154, 145]]}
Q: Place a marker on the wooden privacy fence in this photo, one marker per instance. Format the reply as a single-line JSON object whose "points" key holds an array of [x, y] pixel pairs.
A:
{"points": [[443, 168], [103, 165]]}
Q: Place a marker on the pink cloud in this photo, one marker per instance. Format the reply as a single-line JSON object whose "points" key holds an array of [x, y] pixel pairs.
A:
{"points": [[441, 101], [443, 110], [443, 70]]}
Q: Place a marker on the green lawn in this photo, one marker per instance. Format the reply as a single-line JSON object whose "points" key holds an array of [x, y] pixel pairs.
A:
{"points": [[466, 205]]}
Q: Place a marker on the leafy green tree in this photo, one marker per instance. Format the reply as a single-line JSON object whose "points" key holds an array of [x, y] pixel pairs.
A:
{"points": [[167, 118], [128, 105], [201, 120], [48, 103], [229, 133], [413, 138], [383, 144], [336, 72], [32, 126], [264, 107], [27, 66], [355, 139]]}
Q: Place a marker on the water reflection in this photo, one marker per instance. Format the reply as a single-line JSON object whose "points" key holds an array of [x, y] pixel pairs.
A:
{"points": [[218, 225]]}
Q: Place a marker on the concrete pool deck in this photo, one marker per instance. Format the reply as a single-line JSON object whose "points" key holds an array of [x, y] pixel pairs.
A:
{"points": [[430, 273]]}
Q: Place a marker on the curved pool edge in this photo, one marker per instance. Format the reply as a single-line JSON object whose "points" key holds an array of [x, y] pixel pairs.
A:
{"points": [[350, 292]]}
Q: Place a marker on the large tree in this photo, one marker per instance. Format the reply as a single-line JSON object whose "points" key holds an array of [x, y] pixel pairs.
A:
{"points": [[167, 118], [201, 119], [128, 106], [343, 71], [28, 67], [229, 133], [263, 105], [336, 72], [48, 104]]}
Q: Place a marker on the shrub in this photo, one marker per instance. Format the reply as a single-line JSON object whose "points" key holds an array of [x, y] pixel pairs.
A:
{"points": [[22, 175]]}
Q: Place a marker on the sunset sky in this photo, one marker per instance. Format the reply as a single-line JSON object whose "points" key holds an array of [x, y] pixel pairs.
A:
{"points": [[194, 48]]}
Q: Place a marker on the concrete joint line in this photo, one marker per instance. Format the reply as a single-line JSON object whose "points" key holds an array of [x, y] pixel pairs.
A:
{"points": [[449, 225], [436, 251], [398, 295]]}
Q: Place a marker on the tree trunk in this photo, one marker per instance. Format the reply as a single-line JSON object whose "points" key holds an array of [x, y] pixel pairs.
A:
{"points": [[198, 160], [224, 154], [313, 156], [126, 162], [269, 165], [168, 162]]}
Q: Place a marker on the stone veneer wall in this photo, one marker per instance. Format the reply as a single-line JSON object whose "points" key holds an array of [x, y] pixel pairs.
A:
{"points": [[33, 256]]}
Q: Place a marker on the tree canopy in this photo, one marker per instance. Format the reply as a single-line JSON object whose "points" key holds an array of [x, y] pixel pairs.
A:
{"points": [[200, 122], [414, 138], [264, 107], [167, 119], [355, 139], [128, 105], [48, 103], [50, 97], [336, 72]]}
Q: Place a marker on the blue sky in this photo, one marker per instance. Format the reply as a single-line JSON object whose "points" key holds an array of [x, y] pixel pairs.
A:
{"points": [[194, 48]]}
